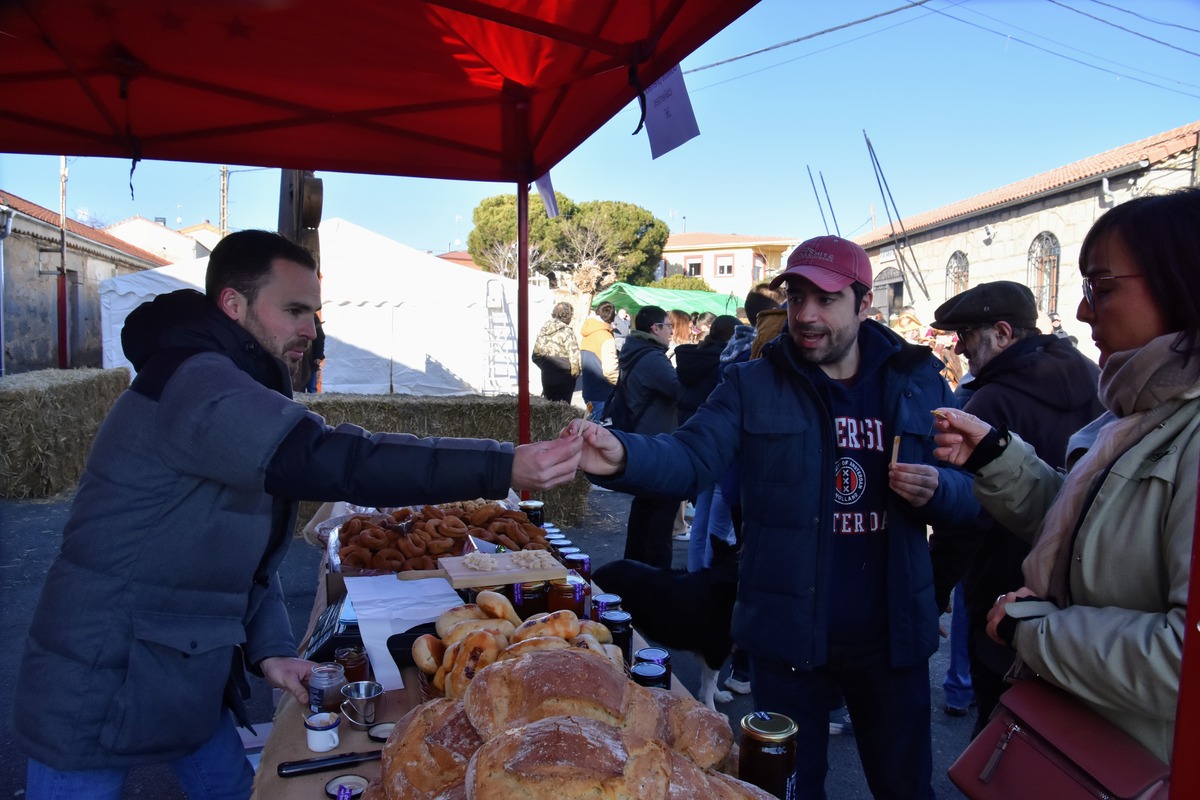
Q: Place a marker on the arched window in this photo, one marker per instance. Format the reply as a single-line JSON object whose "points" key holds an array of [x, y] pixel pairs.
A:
{"points": [[1042, 274], [956, 274]]}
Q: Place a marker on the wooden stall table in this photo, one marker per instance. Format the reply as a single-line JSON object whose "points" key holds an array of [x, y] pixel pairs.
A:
{"points": [[287, 740]]}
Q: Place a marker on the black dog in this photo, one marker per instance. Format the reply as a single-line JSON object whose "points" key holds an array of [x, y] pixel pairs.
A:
{"points": [[686, 610]]}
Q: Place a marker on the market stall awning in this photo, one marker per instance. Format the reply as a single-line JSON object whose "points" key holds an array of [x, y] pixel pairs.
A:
{"points": [[631, 298], [494, 90]]}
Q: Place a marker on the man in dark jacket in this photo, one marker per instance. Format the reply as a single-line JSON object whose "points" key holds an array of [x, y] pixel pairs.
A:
{"points": [[835, 587], [651, 394], [1039, 386], [165, 588]]}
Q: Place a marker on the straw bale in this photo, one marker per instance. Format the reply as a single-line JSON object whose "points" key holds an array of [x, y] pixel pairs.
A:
{"points": [[472, 416], [48, 420]]}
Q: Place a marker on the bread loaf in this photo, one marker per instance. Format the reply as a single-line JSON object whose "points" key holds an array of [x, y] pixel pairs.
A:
{"points": [[561, 757], [552, 683], [428, 751], [694, 729]]}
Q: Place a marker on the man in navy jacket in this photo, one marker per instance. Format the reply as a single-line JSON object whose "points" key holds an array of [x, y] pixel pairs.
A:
{"points": [[835, 585]]}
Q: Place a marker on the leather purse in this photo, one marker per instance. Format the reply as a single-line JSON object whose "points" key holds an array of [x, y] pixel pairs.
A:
{"points": [[1043, 743]]}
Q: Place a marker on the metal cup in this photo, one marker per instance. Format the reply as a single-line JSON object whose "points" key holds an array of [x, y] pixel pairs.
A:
{"points": [[362, 700]]}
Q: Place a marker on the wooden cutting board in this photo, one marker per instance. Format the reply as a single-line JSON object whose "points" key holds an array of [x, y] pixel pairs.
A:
{"points": [[462, 577]]}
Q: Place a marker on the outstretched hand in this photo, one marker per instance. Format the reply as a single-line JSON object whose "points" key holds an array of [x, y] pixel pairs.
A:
{"points": [[916, 483], [544, 465], [958, 433], [603, 453], [288, 674]]}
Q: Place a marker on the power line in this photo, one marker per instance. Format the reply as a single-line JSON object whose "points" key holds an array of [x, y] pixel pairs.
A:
{"points": [[1123, 28], [806, 37], [1147, 19]]}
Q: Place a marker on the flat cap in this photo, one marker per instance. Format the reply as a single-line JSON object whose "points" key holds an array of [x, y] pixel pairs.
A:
{"points": [[985, 304]]}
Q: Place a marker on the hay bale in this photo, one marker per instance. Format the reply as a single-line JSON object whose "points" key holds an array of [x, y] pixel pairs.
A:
{"points": [[48, 420], [472, 417]]}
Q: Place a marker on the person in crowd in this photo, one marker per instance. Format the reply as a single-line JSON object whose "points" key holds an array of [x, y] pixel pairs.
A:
{"points": [[652, 392], [165, 588], [556, 353], [1039, 386], [598, 356], [682, 333], [1112, 538], [699, 369], [621, 327], [836, 585], [1056, 327]]}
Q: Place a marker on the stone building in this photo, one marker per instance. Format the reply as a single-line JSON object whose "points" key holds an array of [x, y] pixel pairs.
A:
{"points": [[33, 255], [1029, 231], [730, 263]]}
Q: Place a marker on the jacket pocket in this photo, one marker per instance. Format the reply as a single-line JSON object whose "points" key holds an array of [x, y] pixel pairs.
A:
{"points": [[171, 698], [777, 447]]}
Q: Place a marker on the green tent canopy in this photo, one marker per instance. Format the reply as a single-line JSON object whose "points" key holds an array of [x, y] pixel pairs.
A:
{"points": [[631, 298]]}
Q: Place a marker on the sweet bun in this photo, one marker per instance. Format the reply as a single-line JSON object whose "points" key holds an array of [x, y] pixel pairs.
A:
{"points": [[536, 643], [475, 651], [427, 652], [497, 606], [502, 628], [564, 624], [452, 616], [598, 630]]}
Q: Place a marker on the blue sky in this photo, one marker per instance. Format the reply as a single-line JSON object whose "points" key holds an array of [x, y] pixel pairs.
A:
{"points": [[957, 96]]}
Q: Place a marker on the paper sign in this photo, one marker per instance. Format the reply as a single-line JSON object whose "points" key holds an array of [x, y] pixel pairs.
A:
{"points": [[546, 190], [670, 120]]}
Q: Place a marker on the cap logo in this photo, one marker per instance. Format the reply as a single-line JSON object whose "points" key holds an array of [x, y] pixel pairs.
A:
{"points": [[809, 252]]}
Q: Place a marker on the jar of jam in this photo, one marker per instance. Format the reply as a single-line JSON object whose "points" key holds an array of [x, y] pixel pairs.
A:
{"points": [[551, 529], [558, 544], [655, 655], [563, 552], [652, 676], [581, 563], [620, 625], [604, 602], [565, 594], [534, 510], [767, 756], [325, 688], [529, 598], [354, 663]]}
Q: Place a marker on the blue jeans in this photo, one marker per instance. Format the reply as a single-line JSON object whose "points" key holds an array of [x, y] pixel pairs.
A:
{"points": [[711, 519], [957, 684], [889, 706], [218, 770]]}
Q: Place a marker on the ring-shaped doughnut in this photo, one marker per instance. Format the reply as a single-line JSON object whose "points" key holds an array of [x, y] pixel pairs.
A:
{"points": [[388, 559], [373, 538]]}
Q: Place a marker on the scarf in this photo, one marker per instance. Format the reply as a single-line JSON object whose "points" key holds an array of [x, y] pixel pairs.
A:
{"points": [[1141, 388]]}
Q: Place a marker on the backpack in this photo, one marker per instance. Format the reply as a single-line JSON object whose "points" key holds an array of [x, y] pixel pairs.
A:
{"points": [[617, 411]]}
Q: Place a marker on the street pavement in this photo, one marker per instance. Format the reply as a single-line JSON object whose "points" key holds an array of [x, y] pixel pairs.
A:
{"points": [[30, 535]]}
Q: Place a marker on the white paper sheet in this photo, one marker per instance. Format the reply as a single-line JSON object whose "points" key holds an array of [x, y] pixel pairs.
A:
{"points": [[386, 606]]}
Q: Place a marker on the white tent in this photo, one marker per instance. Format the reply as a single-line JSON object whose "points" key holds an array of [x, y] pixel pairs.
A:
{"points": [[396, 319]]}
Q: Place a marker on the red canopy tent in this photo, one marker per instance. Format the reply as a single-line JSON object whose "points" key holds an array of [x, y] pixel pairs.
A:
{"points": [[491, 90]]}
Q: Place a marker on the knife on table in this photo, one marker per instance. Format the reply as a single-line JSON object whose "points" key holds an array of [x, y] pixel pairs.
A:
{"points": [[307, 766]]}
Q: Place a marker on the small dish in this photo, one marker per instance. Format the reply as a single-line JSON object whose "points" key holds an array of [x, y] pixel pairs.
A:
{"points": [[380, 732], [357, 784]]}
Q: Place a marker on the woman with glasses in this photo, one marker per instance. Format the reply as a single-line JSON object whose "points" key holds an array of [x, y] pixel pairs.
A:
{"points": [[1112, 539]]}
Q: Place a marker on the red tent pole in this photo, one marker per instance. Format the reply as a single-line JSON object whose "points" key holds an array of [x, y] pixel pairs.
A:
{"points": [[1185, 767], [523, 428]]}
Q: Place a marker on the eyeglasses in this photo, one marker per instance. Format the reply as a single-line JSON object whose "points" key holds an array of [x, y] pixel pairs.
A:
{"points": [[663, 325], [1090, 282]]}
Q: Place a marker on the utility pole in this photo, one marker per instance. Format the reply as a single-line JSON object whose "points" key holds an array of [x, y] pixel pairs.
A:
{"points": [[224, 200]]}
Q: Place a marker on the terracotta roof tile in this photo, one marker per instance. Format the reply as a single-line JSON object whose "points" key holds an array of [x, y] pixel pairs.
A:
{"points": [[1153, 149], [79, 229]]}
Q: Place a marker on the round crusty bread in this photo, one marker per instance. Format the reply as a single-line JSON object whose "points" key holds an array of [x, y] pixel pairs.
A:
{"points": [[551, 683], [428, 751], [694, 729], [567, 756], [690, 782]]}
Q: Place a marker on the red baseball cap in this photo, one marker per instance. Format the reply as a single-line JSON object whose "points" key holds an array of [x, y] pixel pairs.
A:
{"points": [[831, 262]]}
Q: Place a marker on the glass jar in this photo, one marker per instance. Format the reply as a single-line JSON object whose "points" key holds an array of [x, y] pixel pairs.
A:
{"points": [[565, 594], [655, 655], [354, 663], [604, 602], [563, 552], [529, 598], [534, 510], [620, 625], [556, 545], [650, 675], [581, 563], [325, 688], [767, 755]]}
